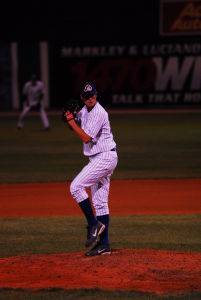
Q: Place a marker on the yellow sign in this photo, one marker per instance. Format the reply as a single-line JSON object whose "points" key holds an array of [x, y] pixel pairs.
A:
{"points": [[180, 17]]}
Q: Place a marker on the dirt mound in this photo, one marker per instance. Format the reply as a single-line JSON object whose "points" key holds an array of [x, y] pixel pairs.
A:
{"points": [[139, 270]]}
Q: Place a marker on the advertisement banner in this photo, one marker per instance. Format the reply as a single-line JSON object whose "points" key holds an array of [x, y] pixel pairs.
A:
{"points": [[180, 17], [132, 76]]}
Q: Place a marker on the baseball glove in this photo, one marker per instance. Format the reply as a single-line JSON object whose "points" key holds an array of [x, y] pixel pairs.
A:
{"points": [[70, 110]]}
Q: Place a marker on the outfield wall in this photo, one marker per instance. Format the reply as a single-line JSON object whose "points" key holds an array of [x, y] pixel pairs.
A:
{"points": [[145, 59]]}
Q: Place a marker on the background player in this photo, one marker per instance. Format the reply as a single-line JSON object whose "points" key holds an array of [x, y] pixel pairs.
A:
{"points": [[33, 92], [100, 147]]}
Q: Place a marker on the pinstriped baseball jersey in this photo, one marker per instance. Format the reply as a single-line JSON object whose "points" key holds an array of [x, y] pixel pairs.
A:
{"points": [[97, 125]]}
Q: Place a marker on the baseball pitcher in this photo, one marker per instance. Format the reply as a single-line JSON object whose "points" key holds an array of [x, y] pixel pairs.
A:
{"points": [[91, 124]]}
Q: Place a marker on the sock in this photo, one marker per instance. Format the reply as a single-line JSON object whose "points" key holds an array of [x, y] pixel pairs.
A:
{"points": [[88, 212], [104, 235]]}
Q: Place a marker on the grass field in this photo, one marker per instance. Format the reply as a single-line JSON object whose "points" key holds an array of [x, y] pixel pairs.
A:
{"points": [[60, 234], [148, 145], [84, 294]]}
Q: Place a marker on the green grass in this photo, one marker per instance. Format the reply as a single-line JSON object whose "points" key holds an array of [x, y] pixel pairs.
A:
{"points": [[68, 234], [149, 146], [84, 294]]}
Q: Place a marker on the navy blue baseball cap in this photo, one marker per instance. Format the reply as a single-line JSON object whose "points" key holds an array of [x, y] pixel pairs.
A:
{"points": [[88, 89]]}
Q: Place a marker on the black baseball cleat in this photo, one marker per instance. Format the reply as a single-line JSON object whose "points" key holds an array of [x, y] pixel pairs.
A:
{"points": [[99, 250], [93, 232]]}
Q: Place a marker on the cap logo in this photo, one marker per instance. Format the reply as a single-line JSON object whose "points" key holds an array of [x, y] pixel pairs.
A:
{"points": [[88, 88]]}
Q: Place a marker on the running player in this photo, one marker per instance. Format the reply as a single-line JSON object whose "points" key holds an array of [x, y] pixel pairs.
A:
{"points": [[100, 147], [33, 93]]}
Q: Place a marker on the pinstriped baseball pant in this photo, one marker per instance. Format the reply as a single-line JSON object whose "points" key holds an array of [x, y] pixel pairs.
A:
{"points": [[96, 175]]}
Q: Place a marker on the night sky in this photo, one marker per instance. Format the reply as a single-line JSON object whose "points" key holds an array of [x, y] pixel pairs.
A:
{"points": [[79, 21]]}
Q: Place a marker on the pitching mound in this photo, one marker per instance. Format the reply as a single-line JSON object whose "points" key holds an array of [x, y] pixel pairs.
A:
{"points": [[139, 270]]}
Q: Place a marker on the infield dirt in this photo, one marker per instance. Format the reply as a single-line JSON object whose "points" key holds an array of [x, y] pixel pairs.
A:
{"points": [[127, 197]]}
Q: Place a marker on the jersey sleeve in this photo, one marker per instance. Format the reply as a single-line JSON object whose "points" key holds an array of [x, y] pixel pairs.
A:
{"points": [[94, 125]]}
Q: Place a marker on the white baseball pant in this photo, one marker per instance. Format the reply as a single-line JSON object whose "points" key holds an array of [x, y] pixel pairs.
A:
{"points": [[25, 111], [96, 175]]}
